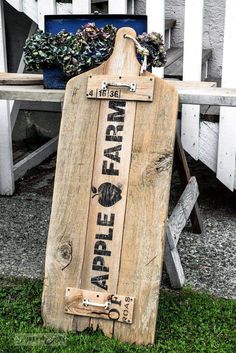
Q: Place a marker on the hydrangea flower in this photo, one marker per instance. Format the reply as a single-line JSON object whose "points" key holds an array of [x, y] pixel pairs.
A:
{"points": [[87, 48]]}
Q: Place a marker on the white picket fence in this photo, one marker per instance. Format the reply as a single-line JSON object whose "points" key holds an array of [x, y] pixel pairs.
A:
{"points": [[213, 143]]}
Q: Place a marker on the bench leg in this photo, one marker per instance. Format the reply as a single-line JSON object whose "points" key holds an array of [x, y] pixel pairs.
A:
{"points": [[6, 159], [173, 266], [184, 173], [175, 225]]}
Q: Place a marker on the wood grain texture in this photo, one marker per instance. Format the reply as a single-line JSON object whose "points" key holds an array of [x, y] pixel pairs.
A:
{"points": [[144, 87], [68, 223], [146, 213], [145, 176], [173, 266], [7, 78], [31, 93], [176, 223], [120, 65], [106, 306], [182, 210]]}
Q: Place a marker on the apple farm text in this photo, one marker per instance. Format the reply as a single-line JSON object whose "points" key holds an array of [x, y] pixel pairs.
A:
{"points": [[108, 194]]}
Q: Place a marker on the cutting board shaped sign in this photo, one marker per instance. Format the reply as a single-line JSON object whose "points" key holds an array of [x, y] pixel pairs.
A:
{"points": [[107, 229]]}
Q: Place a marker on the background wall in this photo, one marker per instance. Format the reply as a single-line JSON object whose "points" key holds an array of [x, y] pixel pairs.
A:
{"points": [[214, 12], [213, 33]]}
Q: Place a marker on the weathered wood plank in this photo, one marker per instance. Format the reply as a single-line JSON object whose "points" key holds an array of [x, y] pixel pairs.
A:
{"points": [[147, 205], [116, 183], [184, 173], [144, 226], [176, 223], [18, 79], [132, 88], [35, 158], [182, 211], [70, 207], [31, 93], [106, 306], [173, 266]]}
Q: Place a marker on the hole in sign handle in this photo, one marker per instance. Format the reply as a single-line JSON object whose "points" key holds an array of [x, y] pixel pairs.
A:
{"points": [[106, 305], [132, 86]]}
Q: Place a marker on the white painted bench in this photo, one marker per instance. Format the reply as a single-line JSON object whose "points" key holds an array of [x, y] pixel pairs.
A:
{"points": [[219, 153], [200, 94]]}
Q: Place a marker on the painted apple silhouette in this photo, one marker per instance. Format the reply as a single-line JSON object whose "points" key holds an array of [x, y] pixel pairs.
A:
{"points": [[108, 194]]}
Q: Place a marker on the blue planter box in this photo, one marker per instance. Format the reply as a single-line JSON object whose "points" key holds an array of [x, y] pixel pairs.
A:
{"points": [[54, 77]]}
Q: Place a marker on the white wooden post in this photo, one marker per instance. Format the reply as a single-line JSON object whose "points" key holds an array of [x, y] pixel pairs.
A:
{"points": [[192, 69], [6, 159], [132, 7], [117, 7], [226, 167], [15, 105], [81, 6], [45, 7], [155, 11]]}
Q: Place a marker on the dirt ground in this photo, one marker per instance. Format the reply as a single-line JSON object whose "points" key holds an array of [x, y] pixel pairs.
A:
{"points": [[208, 259]]}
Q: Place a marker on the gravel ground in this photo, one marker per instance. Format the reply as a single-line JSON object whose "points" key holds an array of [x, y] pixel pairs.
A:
{"points": [[209, 259]]}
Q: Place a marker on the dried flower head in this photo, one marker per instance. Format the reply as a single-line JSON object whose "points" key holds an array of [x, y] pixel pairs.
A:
{"points": [[87, 48]]}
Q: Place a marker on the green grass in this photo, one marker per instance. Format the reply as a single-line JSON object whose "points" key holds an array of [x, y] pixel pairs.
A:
{"points": [[188, 322]]}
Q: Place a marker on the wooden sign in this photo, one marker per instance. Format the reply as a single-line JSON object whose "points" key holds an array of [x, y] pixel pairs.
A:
{"points": [[110, 202], [133, 88], [96, 304]]}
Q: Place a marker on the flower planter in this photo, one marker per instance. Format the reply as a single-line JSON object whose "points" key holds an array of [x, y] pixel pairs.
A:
{"points": [[54, 77]]}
